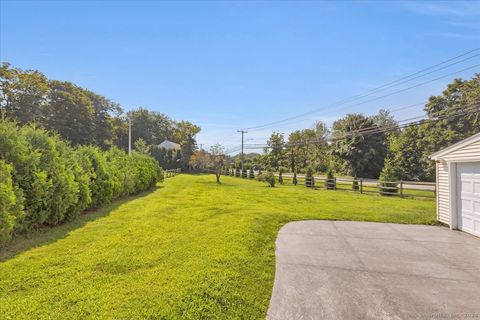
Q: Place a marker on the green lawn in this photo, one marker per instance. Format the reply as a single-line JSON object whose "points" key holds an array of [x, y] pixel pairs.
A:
{"points": [[190, 249]]}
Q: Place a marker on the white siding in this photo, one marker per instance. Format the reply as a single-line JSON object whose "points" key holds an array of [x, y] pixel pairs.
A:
{"points": [[469, 152], [443, 212]]}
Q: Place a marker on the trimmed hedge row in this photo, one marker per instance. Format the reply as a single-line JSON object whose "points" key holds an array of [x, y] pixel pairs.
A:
{"points": [[44, 181]]}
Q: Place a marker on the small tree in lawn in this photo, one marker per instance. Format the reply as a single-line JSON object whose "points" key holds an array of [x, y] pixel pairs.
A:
{"points": [[388, 178], [330, 181], [309, 179], [267, 177], [217, 159]]}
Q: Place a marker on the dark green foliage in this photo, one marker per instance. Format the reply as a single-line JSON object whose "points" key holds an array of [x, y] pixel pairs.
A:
{"points": [[452, 116], [167, 159], [146, 171], [63, 188], [10, 203], [294, 180], [275, 153], [79, 164], [330, 181], [267, 177], [308, 147], [359, 154], [102, 182], [44, 181]]}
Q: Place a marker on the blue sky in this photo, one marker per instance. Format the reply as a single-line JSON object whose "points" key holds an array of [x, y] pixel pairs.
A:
{"points": [[233, 65]]}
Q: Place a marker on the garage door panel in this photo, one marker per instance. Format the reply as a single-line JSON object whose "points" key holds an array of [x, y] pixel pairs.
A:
{"points": [[467, 186], [476, 189], [468, 197]]}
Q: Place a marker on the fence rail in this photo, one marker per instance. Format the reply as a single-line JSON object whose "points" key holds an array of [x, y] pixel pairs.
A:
{"points": [[403, 189], [171, 172]]}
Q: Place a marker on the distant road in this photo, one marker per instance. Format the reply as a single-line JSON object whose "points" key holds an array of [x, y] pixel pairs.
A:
{"points": [[429, 186]]}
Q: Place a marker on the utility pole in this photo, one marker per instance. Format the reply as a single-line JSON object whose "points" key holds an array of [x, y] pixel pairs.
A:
{"points": [[129, 135], [241, 154]]}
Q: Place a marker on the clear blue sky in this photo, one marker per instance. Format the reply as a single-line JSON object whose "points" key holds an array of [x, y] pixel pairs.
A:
{"points": [[233, 65]]}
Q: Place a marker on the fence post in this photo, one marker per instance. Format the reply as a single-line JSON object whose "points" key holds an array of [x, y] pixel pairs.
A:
{"points": [[401, 188], [361, 185], [334, 183]]}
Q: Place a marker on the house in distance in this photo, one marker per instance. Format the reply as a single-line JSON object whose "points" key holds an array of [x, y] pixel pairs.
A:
{"points": [[169, 145]]}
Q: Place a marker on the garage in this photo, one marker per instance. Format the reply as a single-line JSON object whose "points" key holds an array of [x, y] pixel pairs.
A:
{"points": [[458, 185]]}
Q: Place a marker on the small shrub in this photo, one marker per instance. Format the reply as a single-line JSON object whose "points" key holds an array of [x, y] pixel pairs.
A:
{"points": [[294, 180], [251, 174], [330, 181], [309, 178], [388, 176], [267, 177]]}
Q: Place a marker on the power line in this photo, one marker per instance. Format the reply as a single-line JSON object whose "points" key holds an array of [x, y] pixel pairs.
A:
{"points": [[390, 84], [381, 129], [390, 94], [414, 86], [409, 78]]}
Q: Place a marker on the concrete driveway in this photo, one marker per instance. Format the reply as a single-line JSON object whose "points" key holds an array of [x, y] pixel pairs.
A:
{"points": [[365, 270]]}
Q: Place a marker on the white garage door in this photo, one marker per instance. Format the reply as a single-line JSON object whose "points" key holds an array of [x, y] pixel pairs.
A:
{"points": [[468, 201]]}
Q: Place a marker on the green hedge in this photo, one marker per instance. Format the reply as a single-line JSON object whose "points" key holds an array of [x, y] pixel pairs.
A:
{"points": [[44, 181]]}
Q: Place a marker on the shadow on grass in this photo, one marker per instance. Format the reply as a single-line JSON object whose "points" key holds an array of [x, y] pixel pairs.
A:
{"points": [[47, 235]]}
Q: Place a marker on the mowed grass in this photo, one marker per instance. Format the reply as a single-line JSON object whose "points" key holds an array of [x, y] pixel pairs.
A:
{"points": [[190, 249]]}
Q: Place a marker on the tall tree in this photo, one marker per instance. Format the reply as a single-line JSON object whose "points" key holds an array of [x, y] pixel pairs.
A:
{"points": [[184, 130], [23, 94], [151, 126], [301, 144], [360, 154], [275, 152], [188, 148], [452, 116], [70, 112]]}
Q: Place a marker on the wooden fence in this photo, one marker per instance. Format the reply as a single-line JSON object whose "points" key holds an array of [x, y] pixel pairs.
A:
{"points": [[171, 172], [403, 189]]}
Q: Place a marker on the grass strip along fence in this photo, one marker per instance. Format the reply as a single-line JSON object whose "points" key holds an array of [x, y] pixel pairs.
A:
{"points": [[403, 189]]}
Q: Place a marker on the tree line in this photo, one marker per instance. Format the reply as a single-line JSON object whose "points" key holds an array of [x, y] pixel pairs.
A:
{"points": [[84, 117], [377, 146]]}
